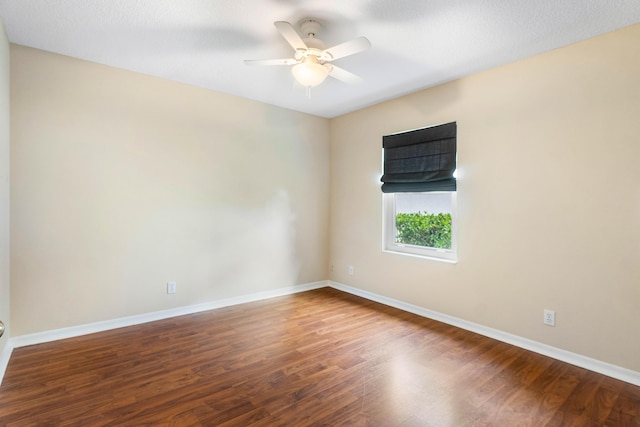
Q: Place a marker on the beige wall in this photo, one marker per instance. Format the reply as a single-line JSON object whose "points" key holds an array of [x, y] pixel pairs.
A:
{"points": [[4, 185], [121, 182], [548, 197]]}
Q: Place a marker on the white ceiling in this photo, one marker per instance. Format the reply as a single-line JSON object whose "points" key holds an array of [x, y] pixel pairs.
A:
{"points": [[415, 43]]}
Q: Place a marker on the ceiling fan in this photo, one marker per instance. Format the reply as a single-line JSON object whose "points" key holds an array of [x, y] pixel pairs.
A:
{"points": [[312, 61]]}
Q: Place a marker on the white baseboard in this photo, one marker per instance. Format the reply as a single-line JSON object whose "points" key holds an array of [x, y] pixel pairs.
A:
{"points": [[75, 331], [604, 368]]}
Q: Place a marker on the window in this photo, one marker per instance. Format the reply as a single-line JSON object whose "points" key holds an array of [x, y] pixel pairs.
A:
{"points": [[419, 187], [421, 224]]}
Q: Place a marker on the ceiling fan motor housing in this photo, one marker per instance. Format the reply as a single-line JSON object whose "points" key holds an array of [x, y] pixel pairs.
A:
{"points": [[310, 27]]}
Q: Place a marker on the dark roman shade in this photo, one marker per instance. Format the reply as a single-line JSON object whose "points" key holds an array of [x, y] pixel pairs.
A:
{"points": [[420, 160]]}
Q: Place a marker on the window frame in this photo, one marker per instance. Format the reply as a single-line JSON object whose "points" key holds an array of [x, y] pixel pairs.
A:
{"points": [[389, 232]]}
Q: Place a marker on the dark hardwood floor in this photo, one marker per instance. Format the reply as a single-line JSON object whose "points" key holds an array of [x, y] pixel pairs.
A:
{"points": [[316, 358]]}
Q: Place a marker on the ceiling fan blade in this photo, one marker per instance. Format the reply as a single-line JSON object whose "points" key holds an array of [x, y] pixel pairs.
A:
{"points": [[344, 75], [287, 61], [290, 34], [348, 48]]}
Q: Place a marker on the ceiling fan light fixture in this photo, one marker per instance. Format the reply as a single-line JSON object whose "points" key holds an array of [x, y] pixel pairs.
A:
{"points": [[312, 63], [309, 72]]}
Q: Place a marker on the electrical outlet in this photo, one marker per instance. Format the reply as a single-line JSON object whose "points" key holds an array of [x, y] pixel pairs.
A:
{"points": [[351, 270], [171, 287], [549, 317]]}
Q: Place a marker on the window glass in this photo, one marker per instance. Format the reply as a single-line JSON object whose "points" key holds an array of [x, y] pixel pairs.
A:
{"points": [[421, 224]]}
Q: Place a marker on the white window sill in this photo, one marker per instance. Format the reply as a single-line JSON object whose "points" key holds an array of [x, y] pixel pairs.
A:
{"points": [[429, 257]]}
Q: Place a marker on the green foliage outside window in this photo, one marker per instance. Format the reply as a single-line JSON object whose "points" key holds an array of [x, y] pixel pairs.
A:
{"points": [[424, 229]]}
